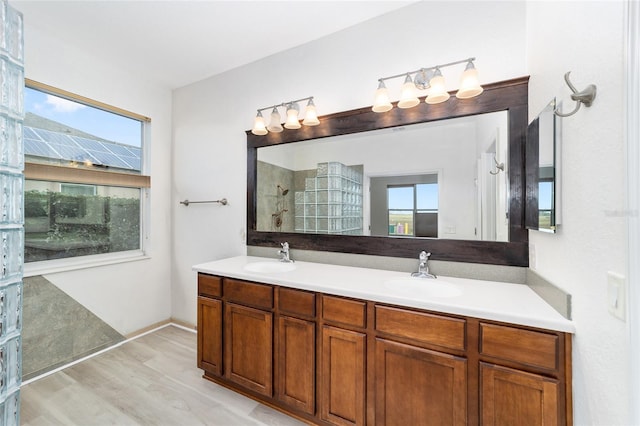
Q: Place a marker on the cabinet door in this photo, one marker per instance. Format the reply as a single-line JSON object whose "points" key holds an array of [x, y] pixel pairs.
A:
{"points": [[210, 335], [510, 397], [297, 361], [415, 385], [343, 376], [248, 348]]}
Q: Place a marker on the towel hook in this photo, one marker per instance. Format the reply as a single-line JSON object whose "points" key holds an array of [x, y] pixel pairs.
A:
{"points": [[585, 97], [499, 167]]}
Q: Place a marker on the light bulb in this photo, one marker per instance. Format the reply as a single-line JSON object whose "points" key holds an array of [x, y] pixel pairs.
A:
{"points": [[292, 117], [310, 114], [437, 93], [469, 83], [408, 94], [381, 101], [275, 122], [259, 127]]}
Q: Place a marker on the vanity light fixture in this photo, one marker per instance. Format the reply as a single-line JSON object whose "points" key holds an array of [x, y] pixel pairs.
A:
{"points": [[292, 109], [432, 80]]}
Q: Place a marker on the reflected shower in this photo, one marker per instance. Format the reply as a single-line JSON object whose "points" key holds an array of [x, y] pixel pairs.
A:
{"points": [[284, 191], [276, 217]]}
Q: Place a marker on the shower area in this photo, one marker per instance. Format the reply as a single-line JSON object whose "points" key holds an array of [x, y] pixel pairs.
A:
{"points": [[325, 200], [11, 211]]}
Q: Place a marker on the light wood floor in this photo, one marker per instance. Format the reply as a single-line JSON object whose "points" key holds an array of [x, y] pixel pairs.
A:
{"points": [[152, 380]]}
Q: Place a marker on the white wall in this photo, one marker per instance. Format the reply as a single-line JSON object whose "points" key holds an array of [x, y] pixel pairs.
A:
{"points": [[341, 71], [134, 295], [587, 39]]}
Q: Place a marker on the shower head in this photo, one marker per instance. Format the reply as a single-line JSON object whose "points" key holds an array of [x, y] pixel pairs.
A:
{"points": [[284, 191]]}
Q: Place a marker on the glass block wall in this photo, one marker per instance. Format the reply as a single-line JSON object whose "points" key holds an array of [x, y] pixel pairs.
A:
{"points": [[11, 211], [331, 202]]}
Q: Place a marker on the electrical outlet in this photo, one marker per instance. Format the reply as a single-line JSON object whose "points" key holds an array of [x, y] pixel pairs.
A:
{"points": [[617, 295]]}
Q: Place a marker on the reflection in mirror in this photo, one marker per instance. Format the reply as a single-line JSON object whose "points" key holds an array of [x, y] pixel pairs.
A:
{"points": [[510, 96], [542, 170], [437, 179]]}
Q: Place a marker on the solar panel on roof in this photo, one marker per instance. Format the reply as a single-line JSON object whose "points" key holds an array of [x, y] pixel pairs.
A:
{"points": [[90, 144], [72, 152], [76, 148], [54, 137], [120, 150], [29, 133], [39, 149], [108, 159]]}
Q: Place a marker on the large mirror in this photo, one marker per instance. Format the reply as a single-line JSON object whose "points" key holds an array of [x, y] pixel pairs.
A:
{"points": [[441, 179], [543, 171], [445, 178]]}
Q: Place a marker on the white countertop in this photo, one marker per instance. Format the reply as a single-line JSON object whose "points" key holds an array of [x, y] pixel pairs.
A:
{"points": [[506, 302]]}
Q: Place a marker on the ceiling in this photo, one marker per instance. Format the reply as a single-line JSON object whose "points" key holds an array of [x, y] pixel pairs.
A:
{"points": [[175, 43]]}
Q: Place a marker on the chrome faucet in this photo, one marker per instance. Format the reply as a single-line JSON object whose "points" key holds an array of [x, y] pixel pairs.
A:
{"points": [[284, 253], [423, 267]]}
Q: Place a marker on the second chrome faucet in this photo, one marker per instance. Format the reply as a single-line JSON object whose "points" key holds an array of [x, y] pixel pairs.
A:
{"points": [[423, 267]]}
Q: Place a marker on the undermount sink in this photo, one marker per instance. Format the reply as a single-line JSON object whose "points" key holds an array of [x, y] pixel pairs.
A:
{"points": [[269, 267], [428, 287]]}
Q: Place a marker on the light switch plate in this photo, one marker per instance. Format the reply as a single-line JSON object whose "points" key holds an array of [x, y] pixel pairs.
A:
{"points": [[617, 295]]}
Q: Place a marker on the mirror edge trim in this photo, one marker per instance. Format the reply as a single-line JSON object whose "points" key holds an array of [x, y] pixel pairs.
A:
{"points": [[510, 95]]}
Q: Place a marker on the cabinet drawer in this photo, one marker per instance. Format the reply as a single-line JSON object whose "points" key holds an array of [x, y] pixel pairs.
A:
{"points": [[252, 294], [422, 327], [528, 347], [344, 311], [209, 286], [296, 302]]}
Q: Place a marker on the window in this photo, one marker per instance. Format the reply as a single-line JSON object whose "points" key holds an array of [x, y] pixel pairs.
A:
{"points": [[84, 187], [404, 205], [413, 210], [545, 207]]}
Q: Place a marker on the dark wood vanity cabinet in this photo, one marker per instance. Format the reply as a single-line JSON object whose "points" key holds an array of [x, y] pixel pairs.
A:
{"points": [[332, 360], [414, 384], [296, 349], [344, 354], [425, 375], [210, 324], [525, 376], [248, 348]]}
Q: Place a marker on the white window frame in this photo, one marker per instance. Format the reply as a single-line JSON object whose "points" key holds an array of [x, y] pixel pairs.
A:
{"points": [[55, 173]]}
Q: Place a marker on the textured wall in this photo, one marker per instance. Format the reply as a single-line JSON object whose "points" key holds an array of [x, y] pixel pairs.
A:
{"points": [[586, 38]]}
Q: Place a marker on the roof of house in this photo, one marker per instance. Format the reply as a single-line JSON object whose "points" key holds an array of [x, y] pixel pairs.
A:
{"points": [[45, 138]]}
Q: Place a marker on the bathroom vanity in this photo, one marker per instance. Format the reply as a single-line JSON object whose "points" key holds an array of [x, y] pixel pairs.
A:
{"points": [[352, 346]]}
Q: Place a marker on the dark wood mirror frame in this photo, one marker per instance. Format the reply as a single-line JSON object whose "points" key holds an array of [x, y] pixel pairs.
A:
{"points": [[509, 95]]}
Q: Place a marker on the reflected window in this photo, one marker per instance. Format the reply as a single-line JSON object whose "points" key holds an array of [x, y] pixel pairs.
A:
{"points": [[401, 206], [413, 210], [545, 204]]}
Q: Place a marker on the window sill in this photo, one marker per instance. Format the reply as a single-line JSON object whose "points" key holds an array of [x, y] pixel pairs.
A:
{"points": [[83, 262]]}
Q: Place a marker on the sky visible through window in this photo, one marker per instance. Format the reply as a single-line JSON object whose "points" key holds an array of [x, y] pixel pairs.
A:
{"points": [[545, 195], [105, 125], [402, 197]]}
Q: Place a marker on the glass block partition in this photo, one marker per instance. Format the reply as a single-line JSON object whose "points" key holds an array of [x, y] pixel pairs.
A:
{"points": [[331, 202], [11, 211]]}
